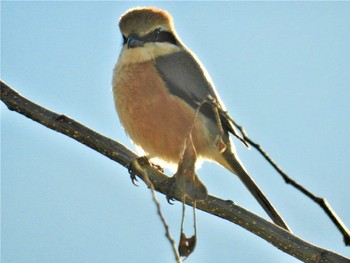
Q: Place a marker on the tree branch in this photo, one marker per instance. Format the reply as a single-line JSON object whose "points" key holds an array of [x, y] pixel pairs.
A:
{"points": [[227, 210], [322, 202]]}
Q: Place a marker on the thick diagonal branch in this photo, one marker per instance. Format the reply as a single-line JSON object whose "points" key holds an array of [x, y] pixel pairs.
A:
{"points": [[227, 210]]}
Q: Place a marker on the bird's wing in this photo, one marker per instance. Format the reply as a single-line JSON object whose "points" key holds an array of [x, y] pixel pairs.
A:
{"points": [[185, 78]]}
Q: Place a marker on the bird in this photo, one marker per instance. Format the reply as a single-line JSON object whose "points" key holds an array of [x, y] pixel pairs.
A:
{"points": [[163, 93]]}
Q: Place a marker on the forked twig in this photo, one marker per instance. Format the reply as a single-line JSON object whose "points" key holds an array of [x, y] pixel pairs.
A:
{"points": [[322, 202]]}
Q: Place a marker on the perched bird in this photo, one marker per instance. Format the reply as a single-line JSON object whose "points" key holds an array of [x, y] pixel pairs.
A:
{"points": [[163, 93]]}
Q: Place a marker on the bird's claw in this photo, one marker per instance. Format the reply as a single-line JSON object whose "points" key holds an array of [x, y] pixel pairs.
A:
{"points": [[170, 200], [170, 186], [134, 180], [138, 163], [132, 174], [132, 169]]}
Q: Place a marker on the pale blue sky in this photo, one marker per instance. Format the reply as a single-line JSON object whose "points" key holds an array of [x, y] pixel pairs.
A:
{"points": [[282, 70]]}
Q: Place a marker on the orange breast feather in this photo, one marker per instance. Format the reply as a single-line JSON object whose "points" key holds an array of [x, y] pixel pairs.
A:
{"points": [[154, 119]]}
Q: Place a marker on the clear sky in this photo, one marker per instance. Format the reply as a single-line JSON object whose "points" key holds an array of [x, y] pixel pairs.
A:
{"points": [[282, 70]]}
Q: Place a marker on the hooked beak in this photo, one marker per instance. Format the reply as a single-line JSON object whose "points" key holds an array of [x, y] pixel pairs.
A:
{"points": [[133, 41]]}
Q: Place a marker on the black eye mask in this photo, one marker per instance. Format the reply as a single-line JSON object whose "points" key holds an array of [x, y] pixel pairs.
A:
{"points": [[155, 36]]}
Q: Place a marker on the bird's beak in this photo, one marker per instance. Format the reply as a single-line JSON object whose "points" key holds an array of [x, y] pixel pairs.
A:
{"points": [[134, 41]]}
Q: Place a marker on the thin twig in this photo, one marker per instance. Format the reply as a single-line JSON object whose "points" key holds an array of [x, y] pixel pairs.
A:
{"points": [[224, 209], [137, 167], [322, 202], [166, 227]]}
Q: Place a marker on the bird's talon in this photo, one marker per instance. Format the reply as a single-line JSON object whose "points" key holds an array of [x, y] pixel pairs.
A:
{"points": [[134, 180], [170, 200], [132, 173], [170, 187]]}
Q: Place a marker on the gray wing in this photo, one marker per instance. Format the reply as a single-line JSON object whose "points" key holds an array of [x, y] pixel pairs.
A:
{"points": [[185, 79]]}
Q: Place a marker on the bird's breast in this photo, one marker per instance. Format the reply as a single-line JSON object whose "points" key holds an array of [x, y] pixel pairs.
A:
{"points": [[154, 119]]}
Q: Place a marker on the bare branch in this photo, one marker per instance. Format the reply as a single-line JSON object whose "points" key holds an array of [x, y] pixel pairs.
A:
{"points": [[227, 210]]}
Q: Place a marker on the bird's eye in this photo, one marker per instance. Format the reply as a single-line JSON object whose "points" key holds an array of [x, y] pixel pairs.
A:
{"points": [[156, 33]]}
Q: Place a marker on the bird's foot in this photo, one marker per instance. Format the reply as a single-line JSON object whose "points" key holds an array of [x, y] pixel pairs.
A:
{"points": [[187, 184], [135, 169], [171, 189]]}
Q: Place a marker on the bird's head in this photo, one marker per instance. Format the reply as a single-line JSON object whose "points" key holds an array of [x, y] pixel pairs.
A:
{"points": [[140, 26]]}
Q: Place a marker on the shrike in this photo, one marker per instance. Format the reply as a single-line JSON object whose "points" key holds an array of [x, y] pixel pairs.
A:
{"points": [[163, 93]]}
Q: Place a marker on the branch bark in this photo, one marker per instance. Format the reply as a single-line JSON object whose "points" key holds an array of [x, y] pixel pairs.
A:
{"points": [[227, 210]]}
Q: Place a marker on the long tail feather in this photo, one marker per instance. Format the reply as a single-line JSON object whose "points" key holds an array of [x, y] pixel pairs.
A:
{"points": [[234, 165]]}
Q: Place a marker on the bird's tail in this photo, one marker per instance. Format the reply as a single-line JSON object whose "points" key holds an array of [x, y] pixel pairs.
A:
{"points": [[234, 165]]}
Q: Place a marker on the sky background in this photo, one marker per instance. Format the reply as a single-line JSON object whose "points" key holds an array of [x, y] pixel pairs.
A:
{"points": [[282, 70]]}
